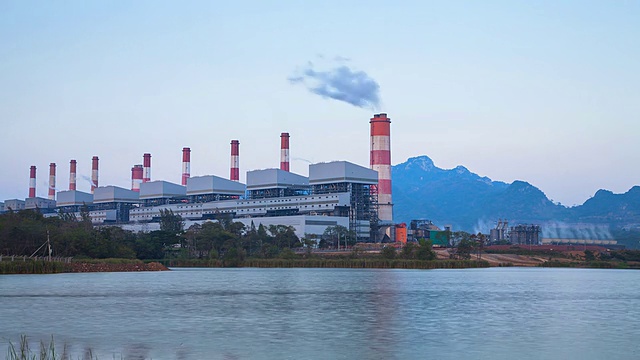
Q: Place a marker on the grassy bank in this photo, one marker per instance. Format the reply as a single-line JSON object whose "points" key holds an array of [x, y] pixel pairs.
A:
{"points": [[591, 264], [365, 263], [32, 267]]}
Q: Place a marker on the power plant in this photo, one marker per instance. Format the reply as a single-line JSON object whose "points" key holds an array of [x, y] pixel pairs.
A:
{"points": [[335, 193]]}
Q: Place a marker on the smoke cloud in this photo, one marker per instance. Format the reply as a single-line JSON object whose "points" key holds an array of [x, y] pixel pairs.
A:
{"points": [[340, 83], [85, 177], [576, 231]]}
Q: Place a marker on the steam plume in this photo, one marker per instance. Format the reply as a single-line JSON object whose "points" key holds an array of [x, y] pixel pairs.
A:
{"points": [[341, 83]]}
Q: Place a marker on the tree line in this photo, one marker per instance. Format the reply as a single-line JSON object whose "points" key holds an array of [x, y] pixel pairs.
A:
{"points": [[24, 232]]}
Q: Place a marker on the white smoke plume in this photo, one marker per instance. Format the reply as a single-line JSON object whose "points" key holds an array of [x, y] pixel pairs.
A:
{"points": [[559, 230]]}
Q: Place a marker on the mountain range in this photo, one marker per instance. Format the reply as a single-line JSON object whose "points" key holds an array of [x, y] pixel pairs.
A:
{"points": [[470, 202]]}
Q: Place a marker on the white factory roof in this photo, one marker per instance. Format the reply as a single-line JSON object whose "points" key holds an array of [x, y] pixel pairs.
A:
{"points": [[161, 189], [340, 172], [73, 197], [38, 202], [107, 194], [210, 184], [274, 178]]}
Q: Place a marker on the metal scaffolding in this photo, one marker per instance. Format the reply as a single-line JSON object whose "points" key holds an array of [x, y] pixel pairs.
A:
{"points": [[363, 207]]}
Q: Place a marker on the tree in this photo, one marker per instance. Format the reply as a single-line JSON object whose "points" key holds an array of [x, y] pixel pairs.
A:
{"points": [[309, 242], [409, 251], [464, 248], [388, 252], [338, 235], [425, 250], [170, 222], [589, 256], [284, 236], [458, 236]]}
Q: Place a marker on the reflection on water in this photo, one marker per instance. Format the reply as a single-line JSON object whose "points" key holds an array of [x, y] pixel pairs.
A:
{"points": [[500, 313]]}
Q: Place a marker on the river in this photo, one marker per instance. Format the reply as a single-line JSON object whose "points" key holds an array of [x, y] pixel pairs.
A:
{"points": [[495, 313]]}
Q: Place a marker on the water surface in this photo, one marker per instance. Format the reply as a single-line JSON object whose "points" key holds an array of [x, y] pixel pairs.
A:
{"points": [[496, 313]]}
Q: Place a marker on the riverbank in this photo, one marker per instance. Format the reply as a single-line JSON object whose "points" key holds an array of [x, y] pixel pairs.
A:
{"points": [[28, 266], [485, 260], [361, 263]]}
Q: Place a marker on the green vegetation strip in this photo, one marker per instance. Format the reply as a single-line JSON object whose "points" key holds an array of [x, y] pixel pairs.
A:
{"points": [[369, 263], [32, 267]]}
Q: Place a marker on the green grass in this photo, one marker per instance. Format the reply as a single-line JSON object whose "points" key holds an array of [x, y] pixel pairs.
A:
{"points": [[45, 351], [32, 267]]}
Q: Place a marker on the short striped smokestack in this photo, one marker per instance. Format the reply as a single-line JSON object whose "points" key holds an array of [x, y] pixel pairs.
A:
{"points": [[235, 161], [146, 176], [72, 174], [52, 181], [32, 182], [136, 177], [284, 151], [381, 162], [94, 173], [186, 165]]}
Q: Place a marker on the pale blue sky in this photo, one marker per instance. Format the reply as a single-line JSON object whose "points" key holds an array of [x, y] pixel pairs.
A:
{"points": [[546, 91]]}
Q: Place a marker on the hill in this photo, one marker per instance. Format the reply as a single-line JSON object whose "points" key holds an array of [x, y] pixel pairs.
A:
{"points": [[470, 202]]}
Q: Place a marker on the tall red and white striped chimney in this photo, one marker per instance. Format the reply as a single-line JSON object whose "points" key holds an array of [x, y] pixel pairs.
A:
{"points": [[146, 176], [52, 181], [94, 173], [381, 162], [186, 165], [32, 182], [72, 174], [284, 151], [136, 177], [235, 161]]}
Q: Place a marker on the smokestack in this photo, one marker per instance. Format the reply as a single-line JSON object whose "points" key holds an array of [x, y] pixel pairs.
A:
{"points": [[32, 182], [72, 175], [52, 181], [94, 173], [235, 160], [381, 162], [136, 177], [186, 165], [146, 176], [284, 151]]}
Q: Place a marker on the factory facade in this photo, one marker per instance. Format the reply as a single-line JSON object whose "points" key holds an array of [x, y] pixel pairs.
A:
{"points": [[335, 193]]}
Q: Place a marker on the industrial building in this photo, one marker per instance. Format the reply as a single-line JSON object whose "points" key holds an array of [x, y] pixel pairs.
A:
{"points": [[13, 204], [500, 232], [334, 193], [577, 234], [427, 230], [525, 234]]}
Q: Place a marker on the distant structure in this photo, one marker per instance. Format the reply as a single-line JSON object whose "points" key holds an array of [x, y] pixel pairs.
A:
{"points": [[186, 165], [72, 174], [52, 181], [284, 151], [32, 182], [381, 162], [235, 161], [577, 234], [401, 233], [500, 232], [337, 193], [94, 173], [425, 229], [137, 172], [525, 235], [146, 162]]}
